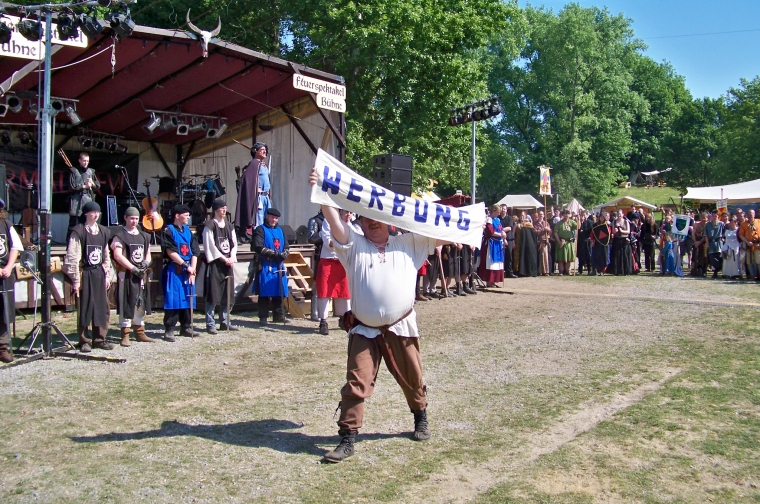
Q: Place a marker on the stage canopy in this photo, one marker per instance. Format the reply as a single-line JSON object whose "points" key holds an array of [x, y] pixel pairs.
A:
{"points": [[625, 202], [744, 192], [155, 69], [520, 201]]}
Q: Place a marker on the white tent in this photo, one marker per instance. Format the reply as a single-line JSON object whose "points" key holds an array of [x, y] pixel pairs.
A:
{"points": [[520, 201], [575, 206], [744, 192], [623, 202]]}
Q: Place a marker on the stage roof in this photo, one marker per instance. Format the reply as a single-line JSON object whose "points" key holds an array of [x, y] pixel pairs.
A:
{"points": [[161, 70]]}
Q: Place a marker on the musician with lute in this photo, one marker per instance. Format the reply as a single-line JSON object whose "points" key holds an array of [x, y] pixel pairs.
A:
{"points": [[82, 185]]}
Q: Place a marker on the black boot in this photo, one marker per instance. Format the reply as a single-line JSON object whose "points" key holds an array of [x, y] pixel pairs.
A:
{"points": [[467, 289], [344, 449], [460, 291], [421, 431]]}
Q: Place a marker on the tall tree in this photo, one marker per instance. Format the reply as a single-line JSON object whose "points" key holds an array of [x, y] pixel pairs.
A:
{"points": [[742, 133], [569, 100]]}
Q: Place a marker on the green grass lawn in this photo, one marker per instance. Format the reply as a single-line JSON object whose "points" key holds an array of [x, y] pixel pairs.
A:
{"points": [[654, 195]]}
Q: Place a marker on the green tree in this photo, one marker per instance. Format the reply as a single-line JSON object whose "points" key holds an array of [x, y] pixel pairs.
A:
{"points": [[406, 63], [569, 101], [741, 128]]}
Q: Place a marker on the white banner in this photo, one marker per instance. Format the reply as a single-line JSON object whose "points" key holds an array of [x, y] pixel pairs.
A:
{"points": [[340, 187]]}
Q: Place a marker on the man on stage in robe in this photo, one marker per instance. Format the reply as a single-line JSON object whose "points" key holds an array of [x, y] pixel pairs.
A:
{"points": [[87, 254], [253, 196], [131, 257], [220, 247]]}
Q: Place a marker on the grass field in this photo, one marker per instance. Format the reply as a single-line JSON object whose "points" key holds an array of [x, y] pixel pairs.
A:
{"points": [[654, 195], [557, 390]]}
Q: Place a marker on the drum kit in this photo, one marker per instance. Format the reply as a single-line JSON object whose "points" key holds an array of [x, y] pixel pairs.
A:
{"points": [[198, 192]]}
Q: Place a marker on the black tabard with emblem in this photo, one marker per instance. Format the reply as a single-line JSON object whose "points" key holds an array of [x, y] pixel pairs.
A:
{"points": [[7, 284], [93, 297], [217, 270], [135, 248]]}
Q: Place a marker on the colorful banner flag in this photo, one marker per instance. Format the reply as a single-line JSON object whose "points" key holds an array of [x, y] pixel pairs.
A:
{"points": [[680, 225], [722, 205], [545, 185], [339, 186]]}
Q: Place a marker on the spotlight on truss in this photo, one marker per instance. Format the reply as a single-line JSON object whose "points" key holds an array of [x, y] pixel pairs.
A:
{"points": [[73, 116], [30, 29], [153, 123]]}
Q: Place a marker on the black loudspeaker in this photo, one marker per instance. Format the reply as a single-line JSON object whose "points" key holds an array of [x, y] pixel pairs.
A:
{"points": [[290, 235], [394, 172]]}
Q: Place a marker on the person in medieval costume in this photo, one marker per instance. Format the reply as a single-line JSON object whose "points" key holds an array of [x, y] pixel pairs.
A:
{"points": [[564, 237], [620, 255], [601, 236], [730, 248], [88, 265], [10, 247], [332, 282], [491, 268], [271, 284], [253, 196], [180, 251], [528, 254], [83, 182], [131, 257], [220, 247], [584, 245]]}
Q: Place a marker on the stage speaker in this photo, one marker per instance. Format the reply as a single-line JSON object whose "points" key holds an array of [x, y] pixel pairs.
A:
{"points": [[290, 235], [302, 235], [394, 172]]}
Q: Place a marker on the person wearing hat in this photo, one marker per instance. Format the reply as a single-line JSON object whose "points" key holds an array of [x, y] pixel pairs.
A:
{"points": [[131, 257], [271, 284], [180, 252], [10, 247], [253, 195], [220, 247], [88, 265], [82, 184]]}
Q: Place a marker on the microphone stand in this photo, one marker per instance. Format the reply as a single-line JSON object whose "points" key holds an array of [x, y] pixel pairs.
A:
{"points": [[132, 192]]}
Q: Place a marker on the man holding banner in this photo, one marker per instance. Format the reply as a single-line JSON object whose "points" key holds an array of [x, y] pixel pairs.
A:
{"points": [[382, 271]]}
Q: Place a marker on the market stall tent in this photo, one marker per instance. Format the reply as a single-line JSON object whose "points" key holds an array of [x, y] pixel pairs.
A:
{"points": [[743, 192], [520, 201], [624, 202]]}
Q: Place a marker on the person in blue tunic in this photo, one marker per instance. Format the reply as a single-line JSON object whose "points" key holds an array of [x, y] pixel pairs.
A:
{"points": [[271, 284], [180, 251]]}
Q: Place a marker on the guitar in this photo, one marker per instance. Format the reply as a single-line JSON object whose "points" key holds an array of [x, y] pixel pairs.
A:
{"points": [[152, 221]]}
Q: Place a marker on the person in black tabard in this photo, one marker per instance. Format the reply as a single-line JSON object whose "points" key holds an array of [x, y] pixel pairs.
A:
{"points": [[131, 257], [220, 247], [10, 247], [88, 265]]}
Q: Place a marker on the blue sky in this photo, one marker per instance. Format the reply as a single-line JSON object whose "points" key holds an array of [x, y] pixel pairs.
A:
{"points": [[710, 60]]}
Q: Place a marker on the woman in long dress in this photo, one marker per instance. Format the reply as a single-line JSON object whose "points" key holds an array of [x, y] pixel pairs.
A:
{"points": [[622, 257], [730, 251], [601, 235], [491, 268]]}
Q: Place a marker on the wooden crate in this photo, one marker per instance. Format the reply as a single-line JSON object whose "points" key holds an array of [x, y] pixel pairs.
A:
{"points": [[300, 283]]}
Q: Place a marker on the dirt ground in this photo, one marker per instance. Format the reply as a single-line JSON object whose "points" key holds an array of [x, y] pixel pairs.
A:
{"points": [[513, 374]]}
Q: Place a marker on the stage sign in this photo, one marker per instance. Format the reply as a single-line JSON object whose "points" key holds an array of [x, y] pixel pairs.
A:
{"points": [[19, 47], [328, 89], [330, 102], [545, 184]]}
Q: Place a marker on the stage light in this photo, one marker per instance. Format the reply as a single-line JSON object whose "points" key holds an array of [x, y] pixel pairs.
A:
{"points": [[30, 29], [5, 33], [3, 109], [495, 108], [197, 125], [100, 144], [183, 129], [73, 116], [5, 137], [24, 137], [477, 115], [154, 123], [13, 103], [67, 27], [116, 148], [105, 3], [467, 115], [57, 105], [122, 24], [85, 141], [216, 132], [166, 123], [91, 25]]}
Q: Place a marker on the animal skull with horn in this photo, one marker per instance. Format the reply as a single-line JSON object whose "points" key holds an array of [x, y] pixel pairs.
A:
{"points": [[204, 36]]}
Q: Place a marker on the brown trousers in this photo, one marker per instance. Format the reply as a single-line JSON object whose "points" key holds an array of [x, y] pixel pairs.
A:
{"points": [[402, 358]]}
